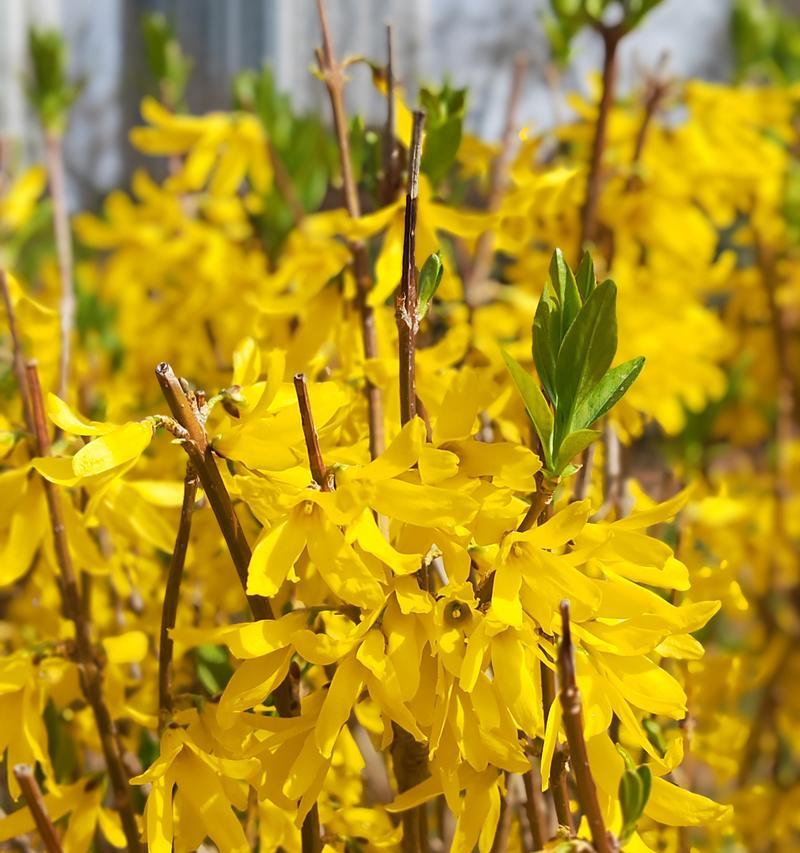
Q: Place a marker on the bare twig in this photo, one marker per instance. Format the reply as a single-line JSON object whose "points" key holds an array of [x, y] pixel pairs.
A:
{"points": [[558, 766], [406, 300], [498, 183], [588, 224], [542, 499], [391, 150], [535, 809], [23, 773], [58, 194], [90, 673], [172, 593], [573, 726], [315, 460], [333, 75]]}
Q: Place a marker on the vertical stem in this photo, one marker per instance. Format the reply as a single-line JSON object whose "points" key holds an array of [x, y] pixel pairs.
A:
{"points": [[33, 797], [316, 463], [391, 152], [406, 300], [171, 595], [58, 194], [90, 673], [534, 809], [573, 726], [333, 75], [588, 224]]}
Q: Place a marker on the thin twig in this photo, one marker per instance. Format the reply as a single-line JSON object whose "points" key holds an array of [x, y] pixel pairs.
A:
{"points": [[58, 193], [534, 809], [573, 726], [542, 499], [333, 75], [498, 183], [90, 673], [406, 299], [315, 461], [588, 224], [171, 595], [391, 150], [23, 773], [187, 414]]}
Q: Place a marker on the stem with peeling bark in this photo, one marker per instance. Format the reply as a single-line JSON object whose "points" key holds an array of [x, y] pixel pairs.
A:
{"points": [[407, 298], [391, 151], [573, 726], [171, 595], [333, 75], [23, 773], [90, 672]]}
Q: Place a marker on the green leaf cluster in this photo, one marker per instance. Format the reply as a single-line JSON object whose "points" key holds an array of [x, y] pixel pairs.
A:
{"points": [[49, 89], [766, 41], [444, 124], [167, 62], [570, 16], [574, 344], [302, 142]]}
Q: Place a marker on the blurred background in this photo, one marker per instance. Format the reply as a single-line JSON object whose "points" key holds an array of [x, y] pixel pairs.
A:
{"points": [[474, 42]]}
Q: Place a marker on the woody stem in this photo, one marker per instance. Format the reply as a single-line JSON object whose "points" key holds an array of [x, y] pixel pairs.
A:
{"points": [[90, 672], [171, 595], [33, 797], [333, 75], [406, 299], [573, 726]]}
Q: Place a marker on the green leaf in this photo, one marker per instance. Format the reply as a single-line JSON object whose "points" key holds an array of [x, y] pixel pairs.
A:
{"points": [[547, 339], [586, 353], [608, 392], [563, 282], [630, 801], [646, 776], [585, 277], [535, 403], [575, 443], [430, 277]]}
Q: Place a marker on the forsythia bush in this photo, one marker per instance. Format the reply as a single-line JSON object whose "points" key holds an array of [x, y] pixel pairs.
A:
{"points": [[424, 551]]}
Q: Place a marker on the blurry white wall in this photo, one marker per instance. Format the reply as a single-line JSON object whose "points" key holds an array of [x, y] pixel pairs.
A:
{"points": [[474, 42]]}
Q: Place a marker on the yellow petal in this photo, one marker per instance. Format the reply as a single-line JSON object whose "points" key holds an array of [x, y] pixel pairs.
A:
{"points": [[123, 444]]}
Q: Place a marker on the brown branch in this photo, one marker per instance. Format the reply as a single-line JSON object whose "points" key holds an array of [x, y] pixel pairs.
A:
{"points": [[406, 299], [315, 461], [191, 418], [498, 183], [391, 150], [588, 224], [535, 809], [573, 726], [171, 595], [33, 797], [333, 75], [18, 360], [89, 670], [58, 193], [542, 499], [656, 89]]}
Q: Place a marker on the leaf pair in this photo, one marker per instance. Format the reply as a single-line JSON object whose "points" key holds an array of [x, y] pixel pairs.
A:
{"points": [[574, 344]]}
